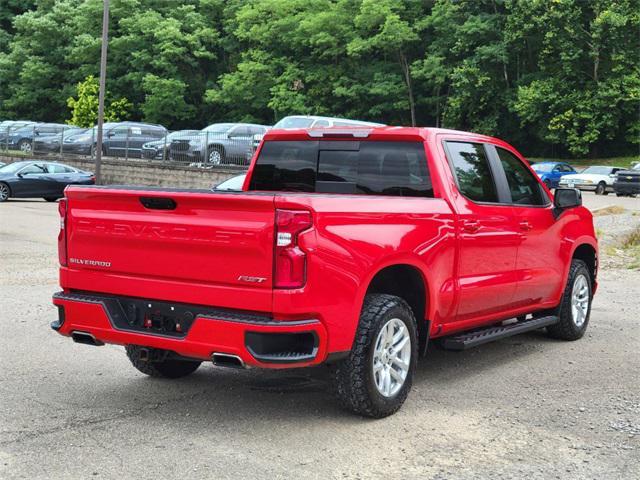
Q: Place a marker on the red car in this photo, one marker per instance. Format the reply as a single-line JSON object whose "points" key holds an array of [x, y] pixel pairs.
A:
{"points": [[349, 247]]}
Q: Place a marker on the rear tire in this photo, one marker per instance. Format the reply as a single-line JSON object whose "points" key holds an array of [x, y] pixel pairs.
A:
{"points": [[601, 188], [51, 199], [386, 340], [168, 368], [575, 307], [5, 192]]}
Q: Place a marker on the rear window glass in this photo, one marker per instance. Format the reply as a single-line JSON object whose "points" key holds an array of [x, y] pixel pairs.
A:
{"points": [[471, 168], [368, 167]]}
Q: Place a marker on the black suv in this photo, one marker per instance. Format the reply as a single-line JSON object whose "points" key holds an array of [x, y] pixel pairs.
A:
{"points": [[627, 182], [121, 139]]}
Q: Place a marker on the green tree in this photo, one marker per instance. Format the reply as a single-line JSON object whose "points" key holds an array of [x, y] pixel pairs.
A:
{"points": [[84, 108]]}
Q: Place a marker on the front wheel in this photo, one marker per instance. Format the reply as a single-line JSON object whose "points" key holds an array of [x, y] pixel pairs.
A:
{"points": [[376, 378], [601, 188], [50, 199], [25, 146], [575, 307], [158, 364], [216, 155]]}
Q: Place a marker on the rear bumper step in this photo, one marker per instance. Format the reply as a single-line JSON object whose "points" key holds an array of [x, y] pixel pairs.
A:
{"points": [[229, 338], [474, 338]]}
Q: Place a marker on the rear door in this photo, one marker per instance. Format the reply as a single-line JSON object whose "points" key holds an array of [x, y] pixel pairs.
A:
{"points": [[540, 268], [487, 232]]}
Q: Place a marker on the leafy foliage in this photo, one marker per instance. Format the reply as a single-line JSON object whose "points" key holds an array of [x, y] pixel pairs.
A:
{"points": [[559, 78], [84, 109]]}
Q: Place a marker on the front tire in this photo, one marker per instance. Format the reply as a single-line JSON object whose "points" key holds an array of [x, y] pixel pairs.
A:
{"points": [[167, 368], [575, 307], [216, 155], [376, 377], [24, 146], [51, 199]]}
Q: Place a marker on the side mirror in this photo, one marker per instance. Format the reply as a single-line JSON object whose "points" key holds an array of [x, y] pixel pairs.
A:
{"points": [[20, 175], [565, 198], [110, 134]]}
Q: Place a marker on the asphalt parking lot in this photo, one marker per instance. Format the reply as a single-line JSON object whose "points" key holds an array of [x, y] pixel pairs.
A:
{"points": [[526, 406]]}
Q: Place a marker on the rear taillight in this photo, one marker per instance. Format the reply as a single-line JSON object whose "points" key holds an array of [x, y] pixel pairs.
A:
{"points": [[62, 236], [290, 263]]}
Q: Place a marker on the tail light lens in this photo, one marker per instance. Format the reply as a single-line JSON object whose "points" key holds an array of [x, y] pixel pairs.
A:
{"points": [[62, 236], [290, 268]]}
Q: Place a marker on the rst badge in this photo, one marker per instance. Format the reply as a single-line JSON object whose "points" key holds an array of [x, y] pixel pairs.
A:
{"points": [[248, 279]]}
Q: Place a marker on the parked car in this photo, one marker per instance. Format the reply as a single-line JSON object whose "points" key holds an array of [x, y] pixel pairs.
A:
{"points": [[10, 126], [29, 179], [550, 172], [627, 182], [234, 183], [217, 144], [52, 143], [120, 139], [23, 138], [159, 149], [596, 178], [313, 121], [352, 249]]}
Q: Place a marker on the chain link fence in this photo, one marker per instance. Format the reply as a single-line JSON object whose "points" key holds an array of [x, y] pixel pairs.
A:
{"points": [[190, 148]]}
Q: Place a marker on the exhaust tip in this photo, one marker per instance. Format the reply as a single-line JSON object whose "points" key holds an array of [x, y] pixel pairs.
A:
{"points": [[85, 338], [227, 360]]}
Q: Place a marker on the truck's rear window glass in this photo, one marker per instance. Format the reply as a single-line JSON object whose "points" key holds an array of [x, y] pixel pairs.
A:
{"points": [[374, 168], [471, 168]]}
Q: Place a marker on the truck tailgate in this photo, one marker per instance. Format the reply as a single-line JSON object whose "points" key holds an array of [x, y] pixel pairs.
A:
{"points": [[216, 248]]}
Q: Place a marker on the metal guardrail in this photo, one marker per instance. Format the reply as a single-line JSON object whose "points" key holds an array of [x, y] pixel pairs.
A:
{"points": [[184, 148]]}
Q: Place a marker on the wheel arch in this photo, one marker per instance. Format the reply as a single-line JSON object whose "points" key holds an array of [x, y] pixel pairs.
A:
{"points": [[408, 282], [588, 254]]}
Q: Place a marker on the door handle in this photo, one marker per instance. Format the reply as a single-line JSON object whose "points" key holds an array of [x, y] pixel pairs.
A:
{"points": [[470, 226], [525, 225]]}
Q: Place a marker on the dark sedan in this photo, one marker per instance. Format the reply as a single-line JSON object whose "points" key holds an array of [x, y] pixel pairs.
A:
{"points": [[23, 138], [48, 180], [159, 149], [52, 143]]}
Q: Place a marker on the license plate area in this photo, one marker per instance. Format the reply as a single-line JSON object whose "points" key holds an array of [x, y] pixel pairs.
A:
{"points": [[155, 317]]}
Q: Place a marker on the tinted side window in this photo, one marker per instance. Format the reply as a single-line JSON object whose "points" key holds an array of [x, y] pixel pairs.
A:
{"points": [[286, 166], [471, 168], [34, 168], [525, 189]]}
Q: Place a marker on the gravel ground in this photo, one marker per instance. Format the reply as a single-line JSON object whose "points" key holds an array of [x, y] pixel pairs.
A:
{"points": [[527, 406]]}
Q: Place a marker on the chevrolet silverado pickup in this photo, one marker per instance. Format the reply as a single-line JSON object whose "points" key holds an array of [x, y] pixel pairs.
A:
{"points": [[355, 248]]}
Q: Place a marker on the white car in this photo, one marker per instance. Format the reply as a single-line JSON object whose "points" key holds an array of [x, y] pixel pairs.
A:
{"points": [[314, 121], [598, 178]]}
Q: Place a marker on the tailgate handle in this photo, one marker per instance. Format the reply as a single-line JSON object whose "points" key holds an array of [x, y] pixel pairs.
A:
{"points": [[158, 203]]}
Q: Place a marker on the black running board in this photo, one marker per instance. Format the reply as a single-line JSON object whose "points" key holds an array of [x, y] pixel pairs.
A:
{"points": [[474, 338]]}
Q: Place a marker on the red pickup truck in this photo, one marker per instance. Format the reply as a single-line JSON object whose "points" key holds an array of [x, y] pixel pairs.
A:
{"points": [[355, 248]]}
